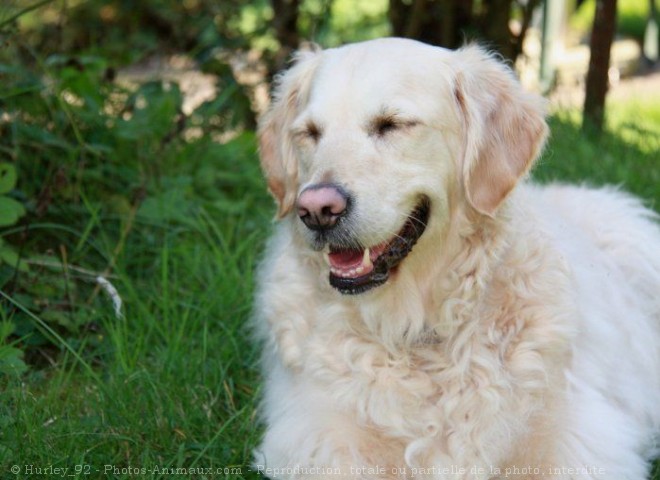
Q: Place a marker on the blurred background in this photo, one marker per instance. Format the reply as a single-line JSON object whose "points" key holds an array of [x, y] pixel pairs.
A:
{"points": [[133, 212]]}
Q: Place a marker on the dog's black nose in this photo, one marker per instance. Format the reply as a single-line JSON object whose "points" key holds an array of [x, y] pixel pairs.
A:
{"points": [[321, 205]]}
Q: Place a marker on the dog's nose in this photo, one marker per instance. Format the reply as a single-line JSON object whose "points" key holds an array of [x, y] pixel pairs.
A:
{"points": [[321, 205]]}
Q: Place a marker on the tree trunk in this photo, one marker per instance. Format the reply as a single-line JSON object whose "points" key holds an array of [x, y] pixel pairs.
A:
{"points": [[396, 14], [602, 34], [446, 23], [285, 22], [496, 27], [452, 23], [443, 31], [416, 19]]}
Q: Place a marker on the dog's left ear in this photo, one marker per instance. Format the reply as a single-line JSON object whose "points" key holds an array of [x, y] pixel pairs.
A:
{"points": [[277, 153], [504, 128]]}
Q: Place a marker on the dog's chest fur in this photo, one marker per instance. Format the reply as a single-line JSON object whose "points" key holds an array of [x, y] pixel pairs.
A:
{"points": [[449, 377]]}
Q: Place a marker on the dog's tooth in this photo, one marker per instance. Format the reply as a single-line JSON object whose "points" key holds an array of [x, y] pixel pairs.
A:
{"points": [[366, 259], [359, 269], [351, 272], [326, 257]]}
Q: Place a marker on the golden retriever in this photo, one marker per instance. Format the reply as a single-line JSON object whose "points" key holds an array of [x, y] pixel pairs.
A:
{"points": [[424, 311]]}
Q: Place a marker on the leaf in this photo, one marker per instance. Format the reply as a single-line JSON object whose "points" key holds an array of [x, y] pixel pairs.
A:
{"points": [[59, 318], [42, 136], [171, 206], [8, 177], [11, 360], [9, 256], [6, 329], [10, 211]]}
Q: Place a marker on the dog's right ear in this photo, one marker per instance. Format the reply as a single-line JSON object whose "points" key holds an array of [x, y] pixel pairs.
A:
{"points": [[278, 159], [504, 128]]}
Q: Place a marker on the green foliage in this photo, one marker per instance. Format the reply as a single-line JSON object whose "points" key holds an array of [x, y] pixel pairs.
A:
{"points": [[115, 180], [357, 21], [97, 157], [11, 358], [10, 212]]}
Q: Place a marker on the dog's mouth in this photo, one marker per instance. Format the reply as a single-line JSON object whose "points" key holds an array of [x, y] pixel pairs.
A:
{"points": [[354, 271]]}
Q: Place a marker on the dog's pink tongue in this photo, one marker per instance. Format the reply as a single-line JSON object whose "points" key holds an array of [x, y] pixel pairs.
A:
{"points": [[353, 263], [344, 259]]}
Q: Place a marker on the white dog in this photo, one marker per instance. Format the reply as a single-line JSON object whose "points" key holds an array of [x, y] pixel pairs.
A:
{"points": [[424, 312]]}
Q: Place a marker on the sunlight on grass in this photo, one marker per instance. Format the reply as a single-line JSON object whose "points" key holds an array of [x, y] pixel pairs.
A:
{"points": [[637, 121], [626, 155]]}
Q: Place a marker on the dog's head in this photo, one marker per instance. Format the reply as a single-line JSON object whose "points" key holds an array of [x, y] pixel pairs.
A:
{"points": [[373, 145]]}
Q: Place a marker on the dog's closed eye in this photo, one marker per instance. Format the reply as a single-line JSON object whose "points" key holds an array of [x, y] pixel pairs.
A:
{"points": [[383, 125], [313, 131], [309, 131]]}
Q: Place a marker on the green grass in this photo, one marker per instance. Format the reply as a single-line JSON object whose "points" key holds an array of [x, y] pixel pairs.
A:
{"points": [[172, 383], [627, 155]]}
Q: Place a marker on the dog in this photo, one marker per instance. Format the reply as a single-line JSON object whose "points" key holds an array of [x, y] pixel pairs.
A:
{"points": [[426, 312]]}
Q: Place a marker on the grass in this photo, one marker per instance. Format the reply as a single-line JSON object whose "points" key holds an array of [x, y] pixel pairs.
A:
{"points": [[172, 384], [627, 155]]}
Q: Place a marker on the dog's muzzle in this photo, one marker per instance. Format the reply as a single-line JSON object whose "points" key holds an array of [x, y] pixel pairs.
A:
{"points": [[353, 268], [356, 270]]}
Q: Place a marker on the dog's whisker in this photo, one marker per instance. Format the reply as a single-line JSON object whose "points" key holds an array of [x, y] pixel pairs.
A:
{"points": [[413, 219]]}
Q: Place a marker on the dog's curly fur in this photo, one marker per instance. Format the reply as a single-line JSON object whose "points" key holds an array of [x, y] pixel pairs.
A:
{"points": [[519, 338]]}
